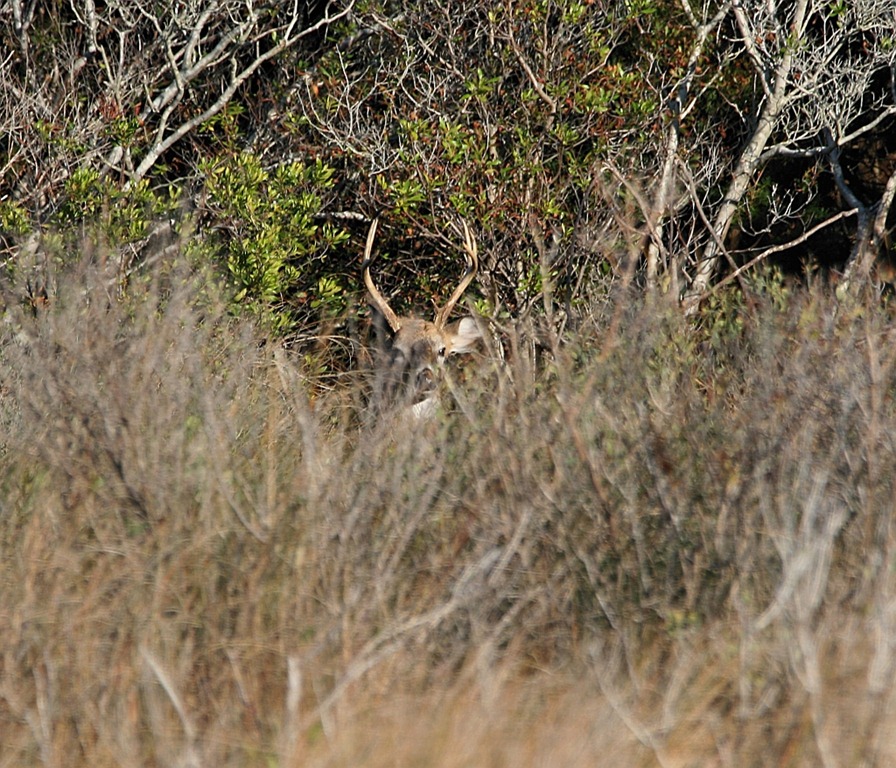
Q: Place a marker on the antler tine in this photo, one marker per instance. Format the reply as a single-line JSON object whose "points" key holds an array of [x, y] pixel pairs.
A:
{"points": [[472, 253], [379, 300]]}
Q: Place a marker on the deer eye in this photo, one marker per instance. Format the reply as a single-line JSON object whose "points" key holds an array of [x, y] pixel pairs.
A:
{"points": [[441, 351]]}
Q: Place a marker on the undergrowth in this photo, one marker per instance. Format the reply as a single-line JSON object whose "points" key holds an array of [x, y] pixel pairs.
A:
{"points": [[673, 543]]}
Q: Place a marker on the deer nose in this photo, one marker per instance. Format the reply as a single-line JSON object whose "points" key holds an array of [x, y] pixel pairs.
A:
{"points": [[426, 381]]}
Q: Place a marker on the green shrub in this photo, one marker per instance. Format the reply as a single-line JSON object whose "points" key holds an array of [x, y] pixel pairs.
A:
{"points": [[279, 258]]}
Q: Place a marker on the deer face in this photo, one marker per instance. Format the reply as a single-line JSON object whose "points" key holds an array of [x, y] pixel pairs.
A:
{"points": [[420, 347]]}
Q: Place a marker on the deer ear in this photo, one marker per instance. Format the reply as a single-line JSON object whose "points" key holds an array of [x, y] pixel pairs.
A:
{"points": [[463, 335]]}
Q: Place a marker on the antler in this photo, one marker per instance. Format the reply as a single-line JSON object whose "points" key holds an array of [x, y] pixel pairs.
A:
{"points": [[378, 299], [472, 253]]}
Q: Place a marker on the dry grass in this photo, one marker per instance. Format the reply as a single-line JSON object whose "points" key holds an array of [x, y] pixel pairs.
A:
{"points": [[670, 547]]}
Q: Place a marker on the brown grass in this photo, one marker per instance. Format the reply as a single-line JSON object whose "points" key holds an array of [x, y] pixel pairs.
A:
{"points": [[671, 546]]}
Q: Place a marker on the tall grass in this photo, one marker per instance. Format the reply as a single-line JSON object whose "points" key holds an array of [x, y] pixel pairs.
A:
{"points": [[666, 545]]}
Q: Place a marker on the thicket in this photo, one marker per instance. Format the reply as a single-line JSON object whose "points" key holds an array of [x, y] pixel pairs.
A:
{"points": [[207, 561], [664, 143]]}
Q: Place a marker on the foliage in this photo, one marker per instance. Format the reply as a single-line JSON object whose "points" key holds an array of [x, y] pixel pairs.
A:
{"points": [[120, 215], [581, 139], [275, 249], [505, 128]]}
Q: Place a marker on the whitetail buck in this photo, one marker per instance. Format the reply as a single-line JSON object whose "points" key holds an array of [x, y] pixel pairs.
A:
{"points": [[409, 376]]}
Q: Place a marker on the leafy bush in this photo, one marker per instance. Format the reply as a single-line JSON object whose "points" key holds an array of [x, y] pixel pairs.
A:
{"points": [[278, 256]]}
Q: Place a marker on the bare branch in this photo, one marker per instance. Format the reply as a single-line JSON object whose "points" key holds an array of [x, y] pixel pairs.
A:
{"points": [[812, 84], [780, 248], [288, 39]]}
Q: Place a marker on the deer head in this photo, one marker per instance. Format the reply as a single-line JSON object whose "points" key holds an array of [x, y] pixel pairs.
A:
{"points": [[419, 347]]}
